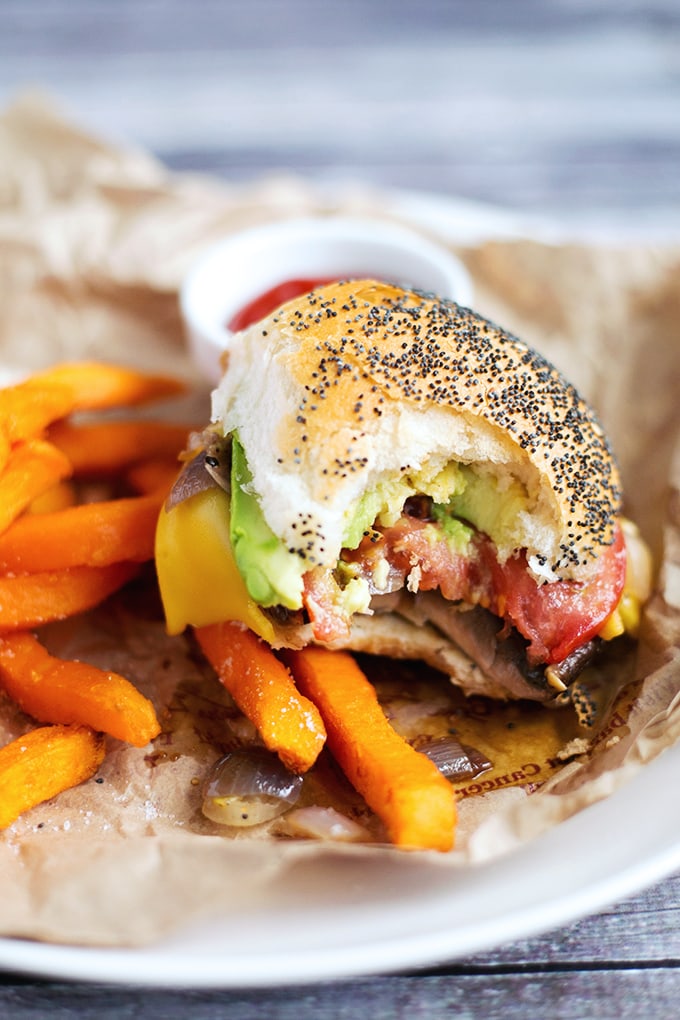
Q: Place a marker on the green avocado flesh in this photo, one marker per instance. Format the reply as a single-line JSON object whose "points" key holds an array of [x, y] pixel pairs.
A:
{"points": [[490, 507], [272, 575], [463, 499]]}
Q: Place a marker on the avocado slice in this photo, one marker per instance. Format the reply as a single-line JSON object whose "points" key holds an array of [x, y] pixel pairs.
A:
{"points": [[271, 574], [487, 505]]}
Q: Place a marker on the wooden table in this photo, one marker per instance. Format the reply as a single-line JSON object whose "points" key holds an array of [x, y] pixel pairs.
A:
{"points": [[557, 109]]}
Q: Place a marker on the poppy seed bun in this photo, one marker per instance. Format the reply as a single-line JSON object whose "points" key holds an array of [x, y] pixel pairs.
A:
{"points": [[356, 383]]}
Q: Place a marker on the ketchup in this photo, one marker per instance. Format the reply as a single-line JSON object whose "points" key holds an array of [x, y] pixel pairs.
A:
{"points": [[265, 303]]}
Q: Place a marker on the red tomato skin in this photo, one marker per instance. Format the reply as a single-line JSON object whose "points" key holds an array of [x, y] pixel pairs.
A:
{"points": [[558, 617]]}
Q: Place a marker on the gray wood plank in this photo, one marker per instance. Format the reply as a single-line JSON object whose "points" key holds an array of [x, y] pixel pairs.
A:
{"points": [[575, 995], [644, 929], [559, 107]]}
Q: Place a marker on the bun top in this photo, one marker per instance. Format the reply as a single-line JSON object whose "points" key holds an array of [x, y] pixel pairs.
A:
{"points": [[341, 390]]}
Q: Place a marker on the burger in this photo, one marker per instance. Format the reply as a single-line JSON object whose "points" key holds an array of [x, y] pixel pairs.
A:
{"points": [[389, 472]]}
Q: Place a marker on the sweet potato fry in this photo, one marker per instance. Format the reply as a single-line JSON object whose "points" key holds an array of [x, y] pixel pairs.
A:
{"points": [[55, 690], [94, 534], [94, 386], [60, 496], [32, 468], [262, 688], [5, 448], [26, 409], [404, 788], [153, 476], [110, 447], [29, 600], [43, 763]]}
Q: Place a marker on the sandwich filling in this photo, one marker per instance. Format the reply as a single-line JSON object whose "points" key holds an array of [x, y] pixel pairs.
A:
{"points": [[442, 536], [428, 557]]}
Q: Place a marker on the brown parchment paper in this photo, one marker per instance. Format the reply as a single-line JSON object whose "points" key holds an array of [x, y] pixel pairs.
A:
{"points": [[94, 241]]}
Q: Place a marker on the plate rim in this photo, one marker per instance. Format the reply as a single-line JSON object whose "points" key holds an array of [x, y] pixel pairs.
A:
{"points": [[163, 965]]}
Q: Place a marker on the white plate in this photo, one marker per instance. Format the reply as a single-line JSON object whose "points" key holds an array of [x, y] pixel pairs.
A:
{"points": [[349, 918]]}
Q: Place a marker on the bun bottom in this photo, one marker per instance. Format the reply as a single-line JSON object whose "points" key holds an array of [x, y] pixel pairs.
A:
{"points": [[468, 644], [395, 636]]}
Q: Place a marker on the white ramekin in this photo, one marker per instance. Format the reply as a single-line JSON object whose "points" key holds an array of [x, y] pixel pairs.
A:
{"points": [[238, 269]]}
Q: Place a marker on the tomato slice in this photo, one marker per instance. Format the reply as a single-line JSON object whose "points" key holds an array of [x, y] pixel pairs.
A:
{"points": [[321, 599], [415, 543], [555, 617], [558, 617]]}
